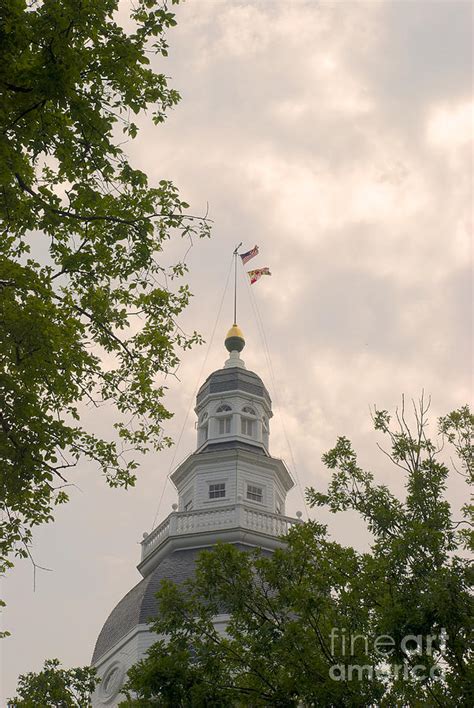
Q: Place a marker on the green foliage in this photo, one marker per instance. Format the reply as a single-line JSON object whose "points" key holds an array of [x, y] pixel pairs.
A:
{"points": [[299, 619], [277, 644], [56, 687], [3, 634], [88, 314], [420, 582]]}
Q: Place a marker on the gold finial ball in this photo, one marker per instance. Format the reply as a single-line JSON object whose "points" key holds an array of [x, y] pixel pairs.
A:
{"points": [[234, 341]]}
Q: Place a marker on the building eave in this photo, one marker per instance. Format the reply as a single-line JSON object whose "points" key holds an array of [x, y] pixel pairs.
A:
{"points": [[244, 455]]}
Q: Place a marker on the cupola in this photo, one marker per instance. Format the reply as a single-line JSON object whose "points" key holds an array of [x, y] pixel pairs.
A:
{"points": [[233, 403], [229, 489]]}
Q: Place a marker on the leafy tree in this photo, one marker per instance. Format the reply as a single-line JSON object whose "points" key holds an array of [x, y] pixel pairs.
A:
{"points": [[88, 314], [55, 687], [317, 623]]}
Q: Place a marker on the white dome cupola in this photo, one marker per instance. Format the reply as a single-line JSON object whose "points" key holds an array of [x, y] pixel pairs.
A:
{"points": [[229, 489], [232, 465], [233, 403]]}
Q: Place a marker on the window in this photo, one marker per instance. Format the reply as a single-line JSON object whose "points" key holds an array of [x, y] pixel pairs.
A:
{"points": [[278, 505], [111, 682], [205, 431], [189, 505], [246, 426], [224, 421], [247, 409], [254, 493], [217, 491], [110, 679], [224, 425]]}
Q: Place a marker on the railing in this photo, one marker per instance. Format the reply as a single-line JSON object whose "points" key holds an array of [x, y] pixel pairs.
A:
{"points": [[201, 520]]}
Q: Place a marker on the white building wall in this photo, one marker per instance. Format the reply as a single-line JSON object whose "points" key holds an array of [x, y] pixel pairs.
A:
{"points": [[236, 401], [213, 473], [113, 666]]}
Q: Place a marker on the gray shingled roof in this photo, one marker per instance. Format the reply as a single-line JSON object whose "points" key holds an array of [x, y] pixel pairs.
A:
{"points": [[218, 446], [140, 603], [233, 379]]}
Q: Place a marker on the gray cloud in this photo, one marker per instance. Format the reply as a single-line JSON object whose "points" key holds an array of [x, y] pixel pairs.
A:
{"points": [[336, 136]]}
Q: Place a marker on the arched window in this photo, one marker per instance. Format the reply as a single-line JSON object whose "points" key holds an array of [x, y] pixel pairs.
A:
{"points": [[224, 420], [247, 425], [248, 410]]}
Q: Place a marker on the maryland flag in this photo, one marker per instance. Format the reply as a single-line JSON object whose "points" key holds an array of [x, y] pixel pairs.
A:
{"points": [[256, 274]]}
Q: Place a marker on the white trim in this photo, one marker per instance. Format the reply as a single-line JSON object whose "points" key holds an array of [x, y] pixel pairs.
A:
{"points": [[120, 643], [217, 457], [247, 522], [117, 669]]}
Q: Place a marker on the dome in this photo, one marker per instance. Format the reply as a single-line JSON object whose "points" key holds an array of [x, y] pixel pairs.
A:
{"points": [[140, 603], [234, 379]]}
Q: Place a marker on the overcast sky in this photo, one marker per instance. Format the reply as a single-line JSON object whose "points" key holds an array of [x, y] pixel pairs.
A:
{"points": [[338, 137]]}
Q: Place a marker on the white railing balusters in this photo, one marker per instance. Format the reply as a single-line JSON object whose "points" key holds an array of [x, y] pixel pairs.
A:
{"points": [[199, 520]]}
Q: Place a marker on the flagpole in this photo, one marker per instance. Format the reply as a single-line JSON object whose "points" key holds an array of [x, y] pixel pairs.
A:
{"points": [[235, 282]]}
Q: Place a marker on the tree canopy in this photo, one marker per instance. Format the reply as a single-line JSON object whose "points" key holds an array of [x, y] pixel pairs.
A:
{"points": [[88, 307], [319, 623], [55, 687]]}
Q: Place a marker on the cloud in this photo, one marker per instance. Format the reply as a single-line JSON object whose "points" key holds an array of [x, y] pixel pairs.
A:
{"points": [[336, 136]]}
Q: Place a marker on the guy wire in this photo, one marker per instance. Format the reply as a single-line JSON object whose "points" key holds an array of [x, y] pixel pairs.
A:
{"points": [[199, 379], [261, 331]]}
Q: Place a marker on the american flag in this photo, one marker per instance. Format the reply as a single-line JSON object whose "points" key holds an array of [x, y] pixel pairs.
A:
{"points": [[250, 254], [256, 274]]}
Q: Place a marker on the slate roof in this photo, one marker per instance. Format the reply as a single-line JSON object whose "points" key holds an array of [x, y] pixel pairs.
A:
{"points": [[233, 379], [140, 603], [217, 446]]}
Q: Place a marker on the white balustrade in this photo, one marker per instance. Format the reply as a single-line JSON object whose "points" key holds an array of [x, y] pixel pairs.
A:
{"points": [[200, 520]]}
